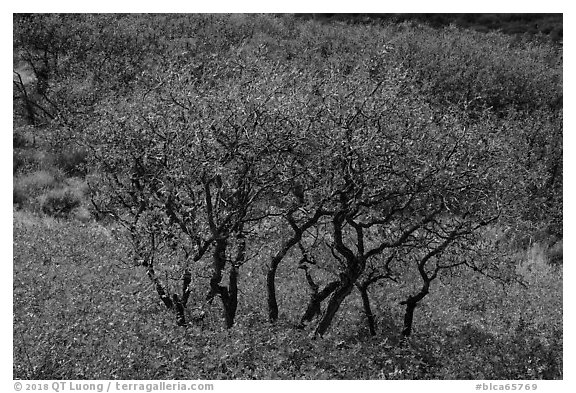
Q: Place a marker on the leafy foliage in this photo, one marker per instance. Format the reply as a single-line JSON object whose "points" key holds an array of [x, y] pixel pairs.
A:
{"points": [[280, 164]]}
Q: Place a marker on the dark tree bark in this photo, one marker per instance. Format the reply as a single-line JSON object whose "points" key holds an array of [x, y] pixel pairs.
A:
{"points": [[228, 295], [222, 239], [412, 301], [186, 280], [218, 264], [229, 301], [286, 246], [232, 296], [271, 290], [30, 114], [159, 288], [271, 278], [367, 309], [316, 299], [363, 286], [233, 278], [354, 266], [354, 262], [408, 318], [341, 292], [411, 304]]}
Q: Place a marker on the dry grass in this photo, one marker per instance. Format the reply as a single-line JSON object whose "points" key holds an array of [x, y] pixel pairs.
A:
{"points": [[75, 293]]}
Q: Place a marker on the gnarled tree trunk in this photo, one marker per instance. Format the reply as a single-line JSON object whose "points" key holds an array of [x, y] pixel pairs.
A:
{"points": [[411, 304], [316, 298], [340, 293], [286, 246], [228, 296]]}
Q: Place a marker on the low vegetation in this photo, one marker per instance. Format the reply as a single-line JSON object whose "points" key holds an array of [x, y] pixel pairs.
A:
{"points": [[74, 293], [532, 26]]}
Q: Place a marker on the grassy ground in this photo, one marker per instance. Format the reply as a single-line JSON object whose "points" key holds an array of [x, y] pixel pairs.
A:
{"points": [[82, 312]]}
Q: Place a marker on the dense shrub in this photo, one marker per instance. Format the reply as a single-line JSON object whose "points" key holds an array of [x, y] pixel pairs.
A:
{"points": [[532, 24], [51, 193], [482, 71], [72, 162], [19, 140], [33, 184], [23, 152], [19, 197], [20, 161], [60, 202]]}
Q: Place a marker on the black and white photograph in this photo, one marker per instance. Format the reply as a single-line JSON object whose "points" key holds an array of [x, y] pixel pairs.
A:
{"points": [[208, 196]]}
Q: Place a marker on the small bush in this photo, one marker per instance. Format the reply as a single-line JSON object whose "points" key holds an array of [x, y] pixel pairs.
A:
{"points": [[20, 161], [61, 202], [50, 192], [81, 214], [72, 162], [19, 197], [23, 136], [29, 187], [555, 254], [43, 160], [30, 160], [19, 141], [36, 181]]}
